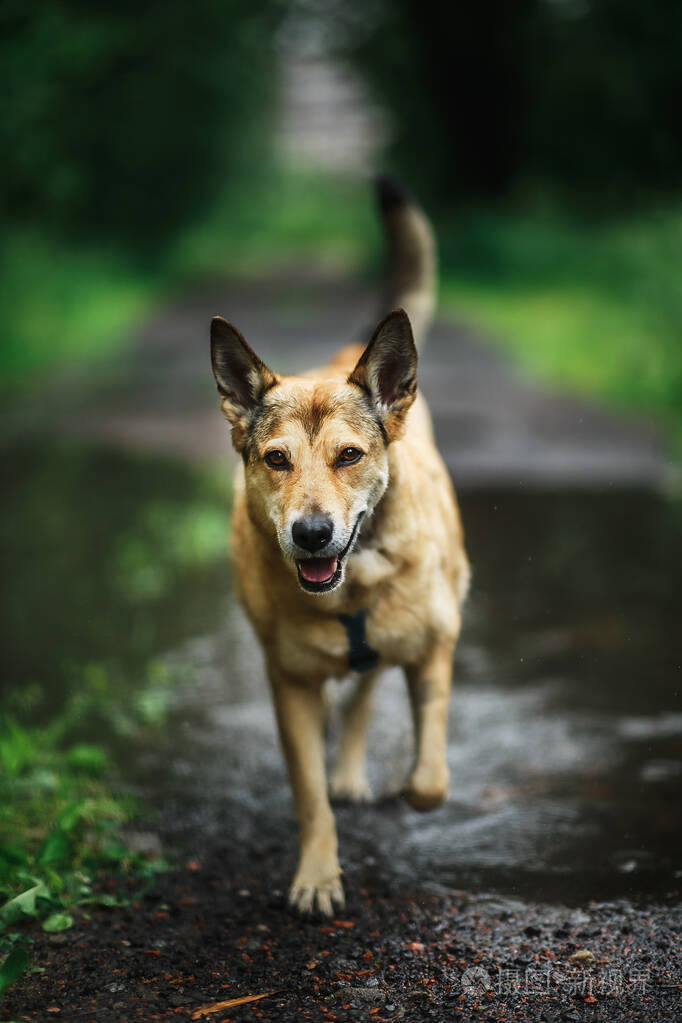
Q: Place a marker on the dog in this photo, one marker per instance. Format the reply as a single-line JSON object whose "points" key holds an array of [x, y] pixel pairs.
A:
{"points": [[348, 543]]}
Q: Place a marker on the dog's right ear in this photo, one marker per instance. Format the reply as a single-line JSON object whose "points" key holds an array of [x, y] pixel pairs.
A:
{"points": [[241, 377]]}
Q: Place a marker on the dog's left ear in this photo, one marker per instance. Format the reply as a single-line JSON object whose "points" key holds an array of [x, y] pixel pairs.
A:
{"points": [[241, 377], [388, 370]]}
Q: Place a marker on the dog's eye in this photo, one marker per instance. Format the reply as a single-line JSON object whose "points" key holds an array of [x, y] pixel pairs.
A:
{"points": [[350, 455], [277, 460]]}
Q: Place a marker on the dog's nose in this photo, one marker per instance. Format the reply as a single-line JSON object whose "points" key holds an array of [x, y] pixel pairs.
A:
{"points": [[313, 532]]}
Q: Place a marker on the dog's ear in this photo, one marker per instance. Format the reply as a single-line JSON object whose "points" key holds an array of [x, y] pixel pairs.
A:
{"points": [[241, 377], [387, 369]]}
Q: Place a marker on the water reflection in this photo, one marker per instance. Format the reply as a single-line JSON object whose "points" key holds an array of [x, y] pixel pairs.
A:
{"points": [[108, 560]]}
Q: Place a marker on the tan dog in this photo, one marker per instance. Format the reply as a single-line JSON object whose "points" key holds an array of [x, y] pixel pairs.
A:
{"points": [[348, 544]]}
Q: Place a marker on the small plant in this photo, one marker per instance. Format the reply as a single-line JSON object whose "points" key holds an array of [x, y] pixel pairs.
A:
{"points": [[65, 820], [14, 965]]}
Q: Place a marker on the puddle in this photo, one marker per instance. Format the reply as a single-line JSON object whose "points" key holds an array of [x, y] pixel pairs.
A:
{"points": [[566, 727], [108, 561]]}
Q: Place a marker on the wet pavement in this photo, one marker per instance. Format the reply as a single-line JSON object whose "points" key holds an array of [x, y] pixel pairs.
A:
{"points": [[566, 722]]}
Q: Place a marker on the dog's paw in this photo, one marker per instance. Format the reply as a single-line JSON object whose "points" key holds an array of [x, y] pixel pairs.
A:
{"points": [[426, 790], [309, 892], [349, 787]]}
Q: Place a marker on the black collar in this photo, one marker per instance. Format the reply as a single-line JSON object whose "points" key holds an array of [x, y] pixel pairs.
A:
{"points": [[361, 656]]}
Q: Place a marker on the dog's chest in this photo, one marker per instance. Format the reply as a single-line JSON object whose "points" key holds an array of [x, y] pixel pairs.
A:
{"points": [[324, 646]]}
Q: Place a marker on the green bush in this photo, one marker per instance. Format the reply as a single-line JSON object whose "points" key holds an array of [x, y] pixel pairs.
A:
{"points": [[494, 98], [123, 119]]}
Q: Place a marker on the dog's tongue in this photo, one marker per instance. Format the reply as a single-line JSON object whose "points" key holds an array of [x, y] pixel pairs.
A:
{"points": [[317, 570]]}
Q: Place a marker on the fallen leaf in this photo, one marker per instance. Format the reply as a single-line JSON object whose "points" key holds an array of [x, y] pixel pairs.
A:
{"points": [[583, 955], [206, 1010], [24, 903], [58, 922], [12, 968], [343, 923]]}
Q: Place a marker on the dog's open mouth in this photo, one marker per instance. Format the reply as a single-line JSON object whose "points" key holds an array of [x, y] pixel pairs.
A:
{"points": [[319, 575]]}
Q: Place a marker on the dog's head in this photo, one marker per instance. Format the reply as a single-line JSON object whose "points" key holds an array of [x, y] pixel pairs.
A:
{"points": [[315, 450]]}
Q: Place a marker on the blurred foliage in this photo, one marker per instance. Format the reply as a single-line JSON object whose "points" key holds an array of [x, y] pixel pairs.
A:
{"points": [[122, 124], [108, 561], [63, 302], [578, 96], [597, 309], [123, 119], [301, 215]]}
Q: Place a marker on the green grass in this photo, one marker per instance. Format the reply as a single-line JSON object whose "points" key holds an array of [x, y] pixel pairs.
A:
{"points": [[597, 310], [63, 304], [60, 819], [296, 216], [61, 816]]}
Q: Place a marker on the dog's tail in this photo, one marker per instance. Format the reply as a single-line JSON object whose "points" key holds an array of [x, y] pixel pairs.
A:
{"points": [[410, 255]]}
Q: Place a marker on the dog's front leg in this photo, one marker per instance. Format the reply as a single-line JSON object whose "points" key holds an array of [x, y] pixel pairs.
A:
{"points": [[300, 717], [429, 684], [349, 777]]}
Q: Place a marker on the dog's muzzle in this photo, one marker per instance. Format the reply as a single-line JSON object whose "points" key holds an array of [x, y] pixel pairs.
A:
{"points": [[319, 574]]}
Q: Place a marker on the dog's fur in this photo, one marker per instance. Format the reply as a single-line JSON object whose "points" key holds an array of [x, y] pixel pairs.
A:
{"points": [[396, 548]]}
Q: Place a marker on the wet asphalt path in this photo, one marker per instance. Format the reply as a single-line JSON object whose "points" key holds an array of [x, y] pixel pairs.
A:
{"points": [[553, 872]]}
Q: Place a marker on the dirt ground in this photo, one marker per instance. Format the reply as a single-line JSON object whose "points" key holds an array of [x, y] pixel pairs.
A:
{"points": [[214, 931]]}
